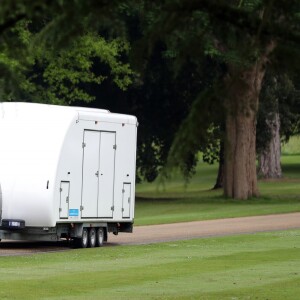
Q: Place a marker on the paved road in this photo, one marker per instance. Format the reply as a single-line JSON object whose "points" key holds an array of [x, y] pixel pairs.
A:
{"points": [[170, 232]]}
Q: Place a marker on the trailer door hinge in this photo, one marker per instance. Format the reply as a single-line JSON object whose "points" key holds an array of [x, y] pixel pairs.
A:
{"points": [[67, 199], [115, 147], [81, 208], [60, 209], [112, 208], [83, 145], [60, 189], [123, 191]]}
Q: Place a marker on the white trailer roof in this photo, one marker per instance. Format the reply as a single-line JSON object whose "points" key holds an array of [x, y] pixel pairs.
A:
{"points": [[46, 111]]}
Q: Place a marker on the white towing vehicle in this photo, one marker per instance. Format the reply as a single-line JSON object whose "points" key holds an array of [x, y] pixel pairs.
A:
{"points": [[66, 172]]}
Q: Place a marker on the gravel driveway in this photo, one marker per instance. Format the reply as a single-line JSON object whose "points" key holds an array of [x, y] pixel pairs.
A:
{"points": [[200, 229], [169, 232]]}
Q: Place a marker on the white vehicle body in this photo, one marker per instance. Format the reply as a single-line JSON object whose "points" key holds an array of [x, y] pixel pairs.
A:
{"points": [[65, 165]]}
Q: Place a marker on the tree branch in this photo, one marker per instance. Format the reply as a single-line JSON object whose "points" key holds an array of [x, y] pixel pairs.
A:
{"points": [[239, 18], [10, 22]]}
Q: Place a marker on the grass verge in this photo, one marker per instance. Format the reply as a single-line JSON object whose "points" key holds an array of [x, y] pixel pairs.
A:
{"points": [[257, 266]]}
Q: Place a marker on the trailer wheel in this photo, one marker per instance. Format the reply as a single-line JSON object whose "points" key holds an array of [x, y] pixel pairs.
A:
{"points": [[92, 237], [82, 242], [100, 237]]}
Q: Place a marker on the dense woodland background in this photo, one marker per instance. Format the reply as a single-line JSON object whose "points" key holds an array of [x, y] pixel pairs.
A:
{"points": [[217, 77]]}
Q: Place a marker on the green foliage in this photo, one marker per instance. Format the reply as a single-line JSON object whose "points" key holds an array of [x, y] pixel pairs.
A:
{"points": [[14, 59], [77, 17], [34, 70], [196, 133], [235, 32], [67, 72], [167, 99]]}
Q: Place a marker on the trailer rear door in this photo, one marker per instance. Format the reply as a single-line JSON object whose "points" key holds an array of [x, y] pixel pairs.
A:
{"points": [[90, 173], [106, 174]]}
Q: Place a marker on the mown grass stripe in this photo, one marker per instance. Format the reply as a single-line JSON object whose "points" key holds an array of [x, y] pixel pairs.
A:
{"points": [[211, 268]]}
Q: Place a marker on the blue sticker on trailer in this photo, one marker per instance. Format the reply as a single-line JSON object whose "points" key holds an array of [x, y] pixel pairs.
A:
{"points": [[73, 212]]}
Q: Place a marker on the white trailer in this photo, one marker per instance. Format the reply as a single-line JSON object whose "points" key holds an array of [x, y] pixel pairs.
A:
{"points": [[66, 172]]}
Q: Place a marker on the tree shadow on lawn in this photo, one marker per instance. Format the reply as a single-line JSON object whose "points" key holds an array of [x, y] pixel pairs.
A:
{"points": [[291, 170], [214, 199]]}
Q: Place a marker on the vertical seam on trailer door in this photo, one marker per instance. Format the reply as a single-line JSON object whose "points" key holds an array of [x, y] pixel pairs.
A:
{"points": [[113, 204], [82, 173], [98, 166]]}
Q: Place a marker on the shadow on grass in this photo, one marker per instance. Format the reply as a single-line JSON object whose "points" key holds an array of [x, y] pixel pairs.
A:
{"points": [[291, 169], [217, 199]]}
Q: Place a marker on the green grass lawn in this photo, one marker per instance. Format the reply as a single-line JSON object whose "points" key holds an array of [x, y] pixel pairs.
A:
{"points": [[175, 202], [292, 147], [257, 266]]}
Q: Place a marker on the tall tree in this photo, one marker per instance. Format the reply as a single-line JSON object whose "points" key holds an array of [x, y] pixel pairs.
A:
{"points": [[278, 119], [246, 35]]}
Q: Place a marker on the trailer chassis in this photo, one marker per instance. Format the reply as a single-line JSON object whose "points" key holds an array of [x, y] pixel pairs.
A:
{"points": [[84, 234]]}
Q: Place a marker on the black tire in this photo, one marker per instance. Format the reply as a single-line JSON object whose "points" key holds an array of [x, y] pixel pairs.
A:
{"points": [[92, 237], [100, 237], [82, 242]]}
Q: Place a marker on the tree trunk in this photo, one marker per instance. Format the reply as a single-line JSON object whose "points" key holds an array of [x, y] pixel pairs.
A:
{"points": [[243, 87], [269, 160], [220, 177]]}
